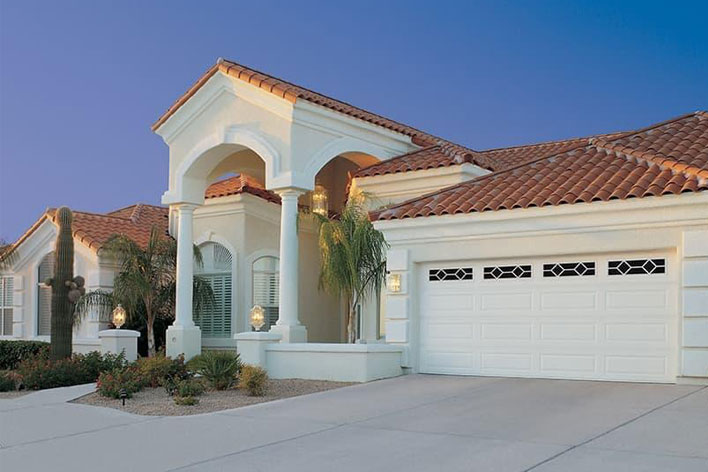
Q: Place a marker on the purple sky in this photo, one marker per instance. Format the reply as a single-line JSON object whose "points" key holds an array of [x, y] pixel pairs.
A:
{"points": [[81, 82]]}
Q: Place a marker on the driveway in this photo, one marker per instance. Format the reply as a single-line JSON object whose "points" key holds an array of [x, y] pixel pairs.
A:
{"points": [[412, 423]]}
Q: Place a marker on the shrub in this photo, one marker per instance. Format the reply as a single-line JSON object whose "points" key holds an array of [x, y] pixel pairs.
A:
{"points": [[220, 368], [129, 378], [7, 383], [186, 401], [38, 373], [94, 363], [189, 388], [254, 380], [159, 370], [14, 352]]}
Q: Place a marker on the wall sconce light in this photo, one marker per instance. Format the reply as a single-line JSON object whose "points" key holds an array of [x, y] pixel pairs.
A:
{"points": [[257, 317], [320, 200], [393, 283], [119, 316]]}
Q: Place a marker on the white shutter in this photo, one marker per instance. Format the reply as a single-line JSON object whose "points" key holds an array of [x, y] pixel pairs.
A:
{"points": [[266, 288], [44, 296], [216, 271], [6, 302]]}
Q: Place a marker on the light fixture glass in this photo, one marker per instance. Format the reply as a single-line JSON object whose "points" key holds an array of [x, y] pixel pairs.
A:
{"points": [[257, 317], [393, 283], [119, 316], [320, 200]]}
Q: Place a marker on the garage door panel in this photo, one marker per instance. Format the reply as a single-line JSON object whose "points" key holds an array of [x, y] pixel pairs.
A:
{"points": [[619, 327]]}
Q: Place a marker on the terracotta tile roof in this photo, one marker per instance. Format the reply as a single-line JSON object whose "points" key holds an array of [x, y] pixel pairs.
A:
{"points": [[293, 93], [240, 184], [667, 158], [94, 229]]}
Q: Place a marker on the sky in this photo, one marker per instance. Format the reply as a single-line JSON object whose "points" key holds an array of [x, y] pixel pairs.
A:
{"points": [[82, 81]]}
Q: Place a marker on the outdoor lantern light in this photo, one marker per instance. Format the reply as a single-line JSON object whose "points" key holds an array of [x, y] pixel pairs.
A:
{"points": [[257, 317], [119, 316], [320, 200], [394, 283]]}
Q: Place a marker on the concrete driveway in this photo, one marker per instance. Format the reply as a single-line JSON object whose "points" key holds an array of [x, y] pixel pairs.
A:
{"points": [[413, 423]]}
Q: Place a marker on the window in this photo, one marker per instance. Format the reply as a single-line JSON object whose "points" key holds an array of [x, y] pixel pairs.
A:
{"points": [[215, 322], [569, 269], [266, 288], [44, 295], [508, 272], [637, 267], [6, 287], [455, 273]]}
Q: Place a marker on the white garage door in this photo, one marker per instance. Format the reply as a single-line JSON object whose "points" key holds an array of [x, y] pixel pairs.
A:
{"points": [[580, 317]]}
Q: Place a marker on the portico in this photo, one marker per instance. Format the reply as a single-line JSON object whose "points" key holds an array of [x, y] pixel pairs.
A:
{"points": [[228, 124]]}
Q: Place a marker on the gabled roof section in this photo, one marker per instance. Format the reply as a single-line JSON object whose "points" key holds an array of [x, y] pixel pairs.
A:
{"points": [[94, 229], [669, 158], [238, 185], [292, 93]]}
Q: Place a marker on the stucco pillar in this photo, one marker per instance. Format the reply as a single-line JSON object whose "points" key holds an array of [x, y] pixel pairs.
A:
{"points": [[184, 337], [288, 325]]}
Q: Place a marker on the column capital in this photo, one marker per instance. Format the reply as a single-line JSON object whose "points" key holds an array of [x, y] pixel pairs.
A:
{"points": [[184, 206], [285, 192]]}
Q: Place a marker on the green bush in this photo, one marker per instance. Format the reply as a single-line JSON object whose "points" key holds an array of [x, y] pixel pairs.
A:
{"points": [[254, 380], [129, 378], [220, 368], [159, 370], [189, 388], [39, 373], [186, 401], [7, 382], [14, 352]]}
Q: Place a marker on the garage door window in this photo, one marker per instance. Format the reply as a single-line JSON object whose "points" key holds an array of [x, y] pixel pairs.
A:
{"points": [[455, 273], [569, 269], [507, 272], [636, 267]]}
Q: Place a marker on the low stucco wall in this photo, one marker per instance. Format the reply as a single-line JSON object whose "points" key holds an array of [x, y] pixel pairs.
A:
{"points": [[335, 362]]}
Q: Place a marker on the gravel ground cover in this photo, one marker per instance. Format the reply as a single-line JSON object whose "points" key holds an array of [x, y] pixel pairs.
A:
{"points": [[156, 402]]}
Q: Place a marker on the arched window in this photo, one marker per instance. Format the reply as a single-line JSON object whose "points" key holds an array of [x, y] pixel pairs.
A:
{"points": [[266, 287], [216, 270], [44, 295]]}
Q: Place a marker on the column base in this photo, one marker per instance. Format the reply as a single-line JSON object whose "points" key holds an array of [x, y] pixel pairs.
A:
{"points": [[290, 333], [115, 341], [185, 340]]}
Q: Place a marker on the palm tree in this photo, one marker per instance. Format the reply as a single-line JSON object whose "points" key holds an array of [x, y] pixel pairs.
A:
{"points": [[353, 257], [146, 282]]}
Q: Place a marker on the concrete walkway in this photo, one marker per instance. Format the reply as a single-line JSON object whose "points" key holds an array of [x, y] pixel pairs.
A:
{"points": [[412, 423]]}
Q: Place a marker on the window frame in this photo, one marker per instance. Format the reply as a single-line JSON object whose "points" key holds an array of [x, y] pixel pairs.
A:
{"points": [[276, 274], [7, 298]]}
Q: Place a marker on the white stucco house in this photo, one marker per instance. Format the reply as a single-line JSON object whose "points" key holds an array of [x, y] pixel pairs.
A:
{"points": [[584, 258]]}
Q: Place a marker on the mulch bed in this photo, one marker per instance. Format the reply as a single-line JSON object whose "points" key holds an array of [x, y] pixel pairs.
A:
{"points": [[156, 402]]}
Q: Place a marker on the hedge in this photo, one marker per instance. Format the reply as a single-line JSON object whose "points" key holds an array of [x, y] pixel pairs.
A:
{"points": [[14, 352]]}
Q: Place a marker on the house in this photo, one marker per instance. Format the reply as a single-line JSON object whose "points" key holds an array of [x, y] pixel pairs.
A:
{"points": [[584, 258]]}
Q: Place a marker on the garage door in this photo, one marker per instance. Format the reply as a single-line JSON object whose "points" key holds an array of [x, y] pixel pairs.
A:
{"points": [[579, 317]]}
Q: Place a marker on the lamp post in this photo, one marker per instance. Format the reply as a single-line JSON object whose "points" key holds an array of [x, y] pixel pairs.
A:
{"points": [[257, 317], [320, 200], [119, 316]]}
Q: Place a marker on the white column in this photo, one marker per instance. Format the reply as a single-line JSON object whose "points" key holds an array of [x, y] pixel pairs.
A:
{"points": [[288, 324], [184, 337]]}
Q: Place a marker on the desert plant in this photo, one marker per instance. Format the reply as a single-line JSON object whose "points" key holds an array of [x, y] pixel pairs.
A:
{"points": [[219, 368], [146, 282], [159, 370], [353, 257], [254, 380], [186, 401], [66, 289], [189, 388], [111, 383], [14, 352]]}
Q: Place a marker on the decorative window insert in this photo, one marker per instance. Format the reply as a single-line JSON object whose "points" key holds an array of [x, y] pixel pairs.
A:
{"points": [[569, 269], [6, 288], [455, 273], [636, 267], [215, 322], [266, 288], [507, 272], [44, 295]]}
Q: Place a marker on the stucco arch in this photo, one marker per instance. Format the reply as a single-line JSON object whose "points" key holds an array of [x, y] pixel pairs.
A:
{"points": [[342, 146], [190, 178]]}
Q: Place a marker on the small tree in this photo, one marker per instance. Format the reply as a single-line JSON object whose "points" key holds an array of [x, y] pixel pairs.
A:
{"points": [[146, 281], [353, 257]]}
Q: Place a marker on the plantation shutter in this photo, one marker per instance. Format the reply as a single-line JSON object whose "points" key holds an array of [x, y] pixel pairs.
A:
{"points": [[215, 322], [6, 288], [44, 296], [266, 288]]}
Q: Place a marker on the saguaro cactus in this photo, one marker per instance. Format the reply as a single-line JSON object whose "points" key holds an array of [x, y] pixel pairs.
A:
{"points": [[66, 289]]}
